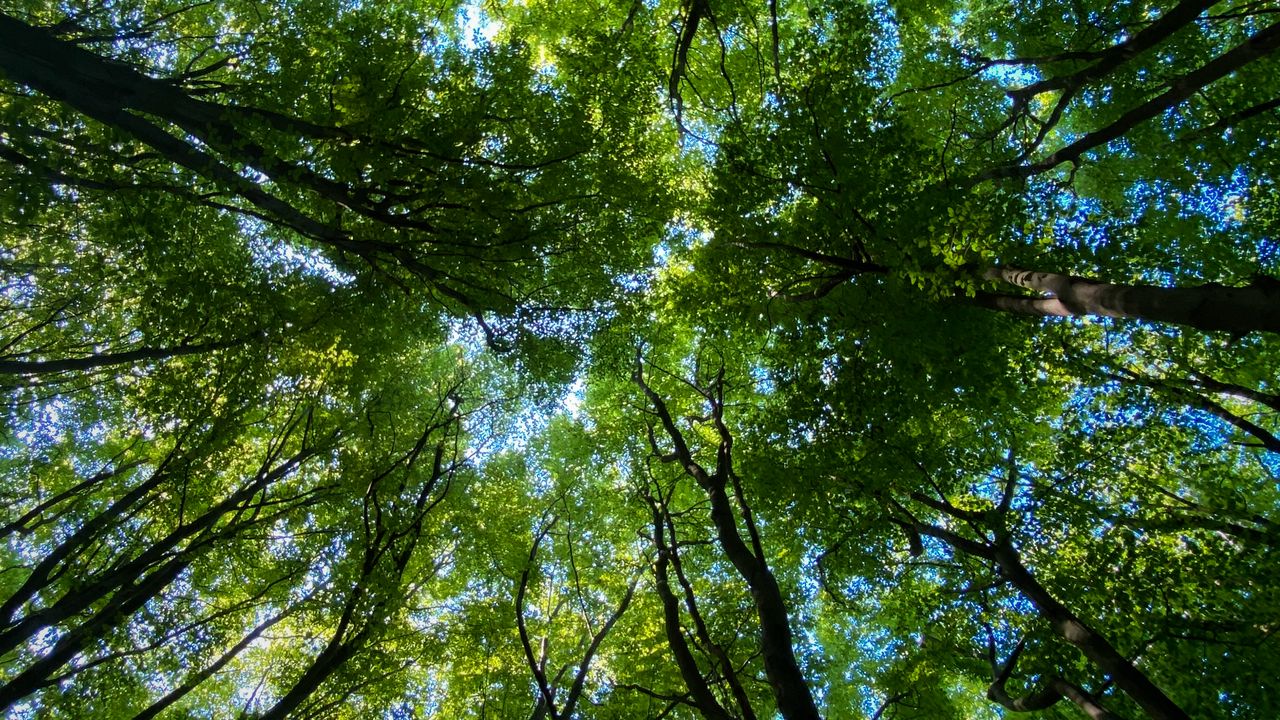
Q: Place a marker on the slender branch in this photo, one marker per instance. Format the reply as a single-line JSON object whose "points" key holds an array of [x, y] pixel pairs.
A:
{"points": [[102, 360], [535, 667], [1263, 43], [1178, 17]]}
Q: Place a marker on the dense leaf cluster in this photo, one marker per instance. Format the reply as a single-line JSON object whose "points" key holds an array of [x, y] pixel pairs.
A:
{"points": [[639, 359]]}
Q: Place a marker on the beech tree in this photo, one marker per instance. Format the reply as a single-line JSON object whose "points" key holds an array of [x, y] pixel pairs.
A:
{"points": [[589, 359]]}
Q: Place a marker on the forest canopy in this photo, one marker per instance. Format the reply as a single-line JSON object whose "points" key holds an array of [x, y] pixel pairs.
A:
{"points": [[552, 359]]}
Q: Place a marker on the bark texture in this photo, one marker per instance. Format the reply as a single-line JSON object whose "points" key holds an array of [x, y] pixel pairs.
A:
{"points": [[1238, 310], [786, 680], [1091, 643]]}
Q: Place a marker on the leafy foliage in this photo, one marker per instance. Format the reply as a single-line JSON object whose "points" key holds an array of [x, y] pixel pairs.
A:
{"points": [[592, 359]]}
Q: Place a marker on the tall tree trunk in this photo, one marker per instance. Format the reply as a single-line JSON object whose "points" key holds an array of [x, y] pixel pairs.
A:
{"points": [[1097, 648], [791, 692], [121, 606], [795, 701], [43, 574], [1064, 622], [700, 692], [339, 650], [1212, 306], [715, 649], [1237, 310], [124, 573], [208, 139], [112, 93]]}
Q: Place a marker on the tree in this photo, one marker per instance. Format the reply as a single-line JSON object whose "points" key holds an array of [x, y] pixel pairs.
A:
{"points": [[843, 184], [581, 359]]}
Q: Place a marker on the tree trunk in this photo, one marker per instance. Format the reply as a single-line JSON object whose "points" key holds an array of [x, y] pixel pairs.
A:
{"points": [[124, 573], [791, 692], [702, 697], [1054, 690], [1238, 310], [329, 661], [580, 680], [107, 92], [727, 670], [1064, 622], [44, 572], [101, 360], [121, 606], [1127, 677], [795, 701]]}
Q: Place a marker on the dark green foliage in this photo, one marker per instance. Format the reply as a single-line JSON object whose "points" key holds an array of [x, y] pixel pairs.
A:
{"points": [[574, 359]]}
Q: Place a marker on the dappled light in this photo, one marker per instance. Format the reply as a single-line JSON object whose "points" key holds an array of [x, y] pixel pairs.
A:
{"points": [[616, 359]]}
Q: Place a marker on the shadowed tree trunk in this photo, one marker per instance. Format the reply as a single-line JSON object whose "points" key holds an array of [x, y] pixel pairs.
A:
{"points": [[102, 360], [1055, 690], [1212, 306], [700, 693], [112, 93], [121, 579], [1066, 624], [790, 690], [1209, 307]]}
